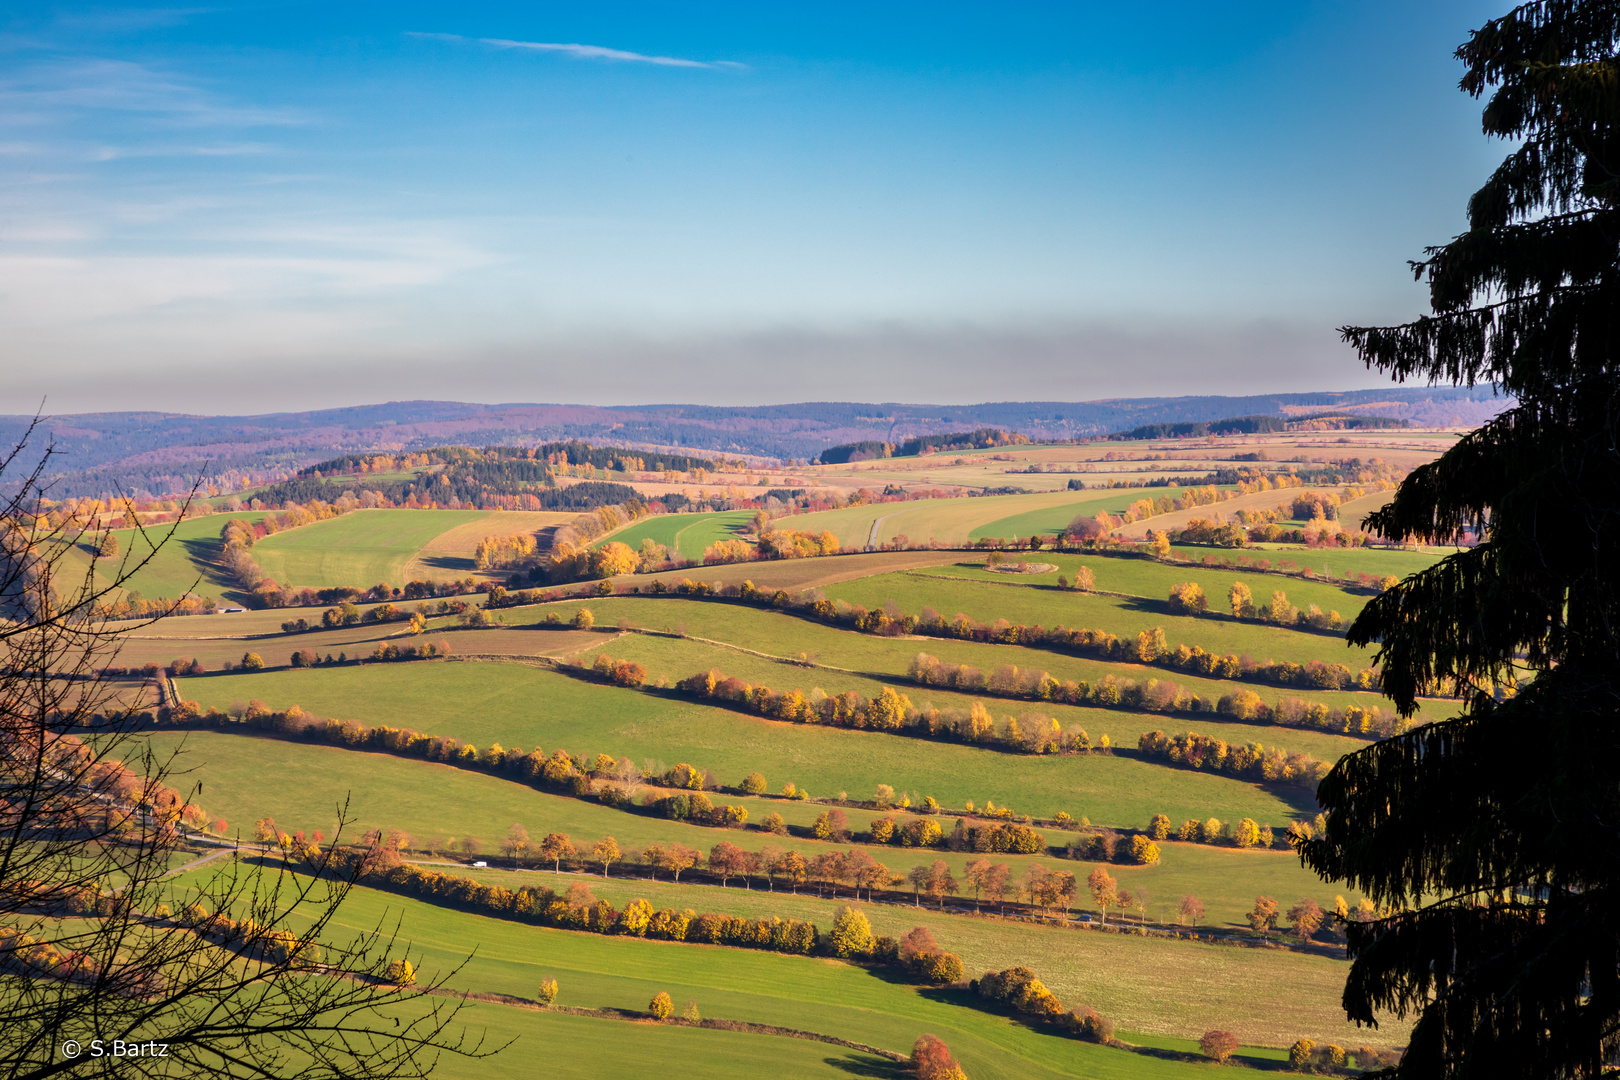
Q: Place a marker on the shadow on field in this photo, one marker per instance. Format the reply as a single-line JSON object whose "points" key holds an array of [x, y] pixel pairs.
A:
{"points": [[866, 1065], [456, 564], [204, 554], [1194, 1058]]}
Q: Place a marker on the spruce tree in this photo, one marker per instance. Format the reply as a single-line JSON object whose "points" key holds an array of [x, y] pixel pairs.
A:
{"points": [[1492, 841]]}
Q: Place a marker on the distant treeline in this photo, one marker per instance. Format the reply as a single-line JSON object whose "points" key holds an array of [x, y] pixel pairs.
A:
{"points": [[470, 485], [1258, 425], [572, 452], [468, 476], [870, 450]]}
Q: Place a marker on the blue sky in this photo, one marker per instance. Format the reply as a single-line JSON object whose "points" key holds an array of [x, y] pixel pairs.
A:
{"points": [[280, 206]]}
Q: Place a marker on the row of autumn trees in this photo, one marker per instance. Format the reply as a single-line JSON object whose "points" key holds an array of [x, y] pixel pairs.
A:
{"points": [[1187, 598], [1150, 648], [1251, 761], [894, 713], [891, 712], [1154, 695]]}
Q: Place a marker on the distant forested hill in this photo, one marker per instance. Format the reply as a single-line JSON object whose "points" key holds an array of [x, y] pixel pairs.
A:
{"points": [[156, 453]]}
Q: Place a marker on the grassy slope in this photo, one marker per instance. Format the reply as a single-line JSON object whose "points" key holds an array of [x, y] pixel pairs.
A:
{"points": [[946, 520], [1153, 580], [1352, 512], [678, 658], [354, 641], [360, 548], [522, 706], [1054, 519], [988, 601], [812, 994], [687, 534], [183, 563], [1341, 561], [435, 802], [1132, 980], [847, 1000], [586, 1048], [450, 553]]}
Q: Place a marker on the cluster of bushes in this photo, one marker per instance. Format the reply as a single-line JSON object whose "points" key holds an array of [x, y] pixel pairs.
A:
{"points": [[618, 672], [699, 808], [1105, 846], [1279, 612], [1019, 989], [572, 555], [995, 836], [249, 938], [1306, 1056], [1242, 833], [919, 954], [1252, 760], [1150, 647], [1213, 533], [519, 550], [1246, 705], [780, 543], [893, 712], [24, 955], [931, 1060], [385, 653]]}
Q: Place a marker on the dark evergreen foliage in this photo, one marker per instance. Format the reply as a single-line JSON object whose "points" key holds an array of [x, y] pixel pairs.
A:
{"points": [[1502, 867], [1252, 425], [867, 450]]}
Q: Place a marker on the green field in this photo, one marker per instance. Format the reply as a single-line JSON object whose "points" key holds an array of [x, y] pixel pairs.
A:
{"points": [[1153, 580], [810, 994], [988, 601], [678, 658], [1341, 561], [950, 521], [686, 535], [595, 1048], [523, 706], [361, 548], [1047, 522], [856, 1003], [181, 564], [1103, 971], [435, 803]]}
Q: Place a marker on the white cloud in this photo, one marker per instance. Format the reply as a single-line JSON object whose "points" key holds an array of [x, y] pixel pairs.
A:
{"points": [[586, 52], [41, 94]]}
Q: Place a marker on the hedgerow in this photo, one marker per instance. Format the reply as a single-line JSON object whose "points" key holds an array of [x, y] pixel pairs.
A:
{"points": [[1252, 761]]}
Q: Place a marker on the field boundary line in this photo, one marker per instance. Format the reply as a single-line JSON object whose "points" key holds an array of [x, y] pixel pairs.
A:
{"points": [[741, 649]]}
